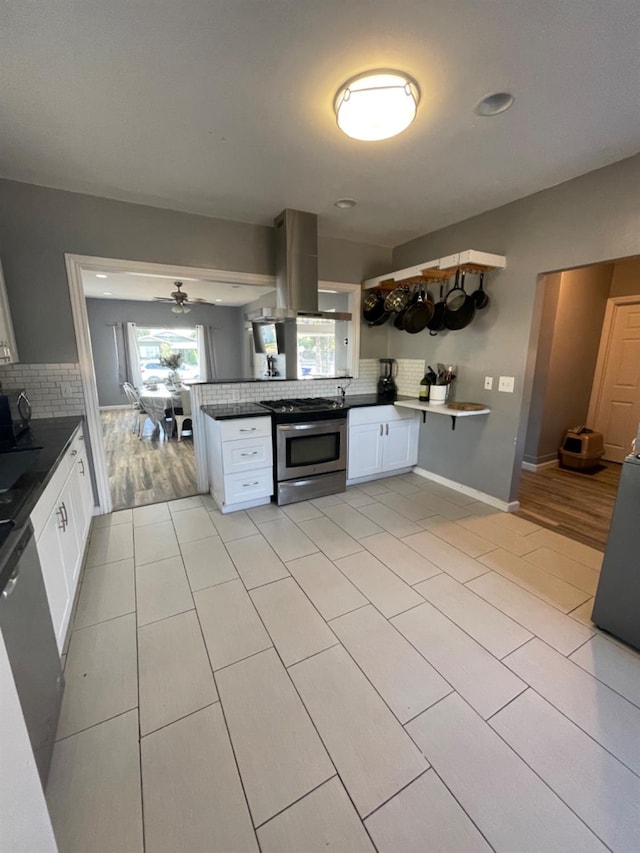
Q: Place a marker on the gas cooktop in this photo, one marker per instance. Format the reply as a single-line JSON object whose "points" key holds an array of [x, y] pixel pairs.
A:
{"points": [[303, 404]]}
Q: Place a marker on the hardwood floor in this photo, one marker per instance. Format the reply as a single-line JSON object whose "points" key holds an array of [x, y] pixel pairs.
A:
{"points": [[145, 471], [574, 504]]}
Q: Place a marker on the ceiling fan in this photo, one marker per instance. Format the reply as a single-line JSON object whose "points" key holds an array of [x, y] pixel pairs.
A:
{"points": [[179, 300]]}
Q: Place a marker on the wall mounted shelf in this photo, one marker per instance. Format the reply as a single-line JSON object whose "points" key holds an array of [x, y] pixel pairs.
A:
{"points": [[439, 410], [440, 269]]}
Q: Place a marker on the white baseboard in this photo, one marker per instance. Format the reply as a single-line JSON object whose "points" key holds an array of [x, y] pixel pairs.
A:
{"points": [[533, 466], [505, 506], [357, 480], [121, 406]]}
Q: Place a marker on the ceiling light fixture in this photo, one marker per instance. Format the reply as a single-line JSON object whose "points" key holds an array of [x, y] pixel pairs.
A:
{"points": [[107, 293], [494, 104], [181, 309], [345, 203], [100, 275], [376, 105]]}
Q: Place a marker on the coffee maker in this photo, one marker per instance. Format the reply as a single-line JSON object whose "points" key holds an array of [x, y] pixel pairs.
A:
{"points": [[387, 388]]}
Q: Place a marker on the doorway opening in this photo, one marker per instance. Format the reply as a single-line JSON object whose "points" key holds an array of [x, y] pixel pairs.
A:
{"points": [[128, 328], [587, 374]]}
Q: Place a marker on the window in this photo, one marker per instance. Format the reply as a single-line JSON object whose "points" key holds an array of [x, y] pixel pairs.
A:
{"points": [[156, 343]]}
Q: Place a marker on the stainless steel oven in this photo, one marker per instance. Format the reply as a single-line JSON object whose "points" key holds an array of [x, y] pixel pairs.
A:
{"points": [[310, 448]]}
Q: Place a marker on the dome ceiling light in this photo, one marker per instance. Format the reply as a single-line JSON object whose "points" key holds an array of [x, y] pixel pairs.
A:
{"points": [[345, 203], [494, 104], [376, 105]]}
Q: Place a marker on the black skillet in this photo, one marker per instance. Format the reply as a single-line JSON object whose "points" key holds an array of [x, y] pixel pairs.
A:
{"points": [[480, 296], [418, 315], [460, 308], [436, 323]]}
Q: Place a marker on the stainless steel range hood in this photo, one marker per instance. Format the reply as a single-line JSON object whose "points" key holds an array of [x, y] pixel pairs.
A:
{"points": [[296, 255]]}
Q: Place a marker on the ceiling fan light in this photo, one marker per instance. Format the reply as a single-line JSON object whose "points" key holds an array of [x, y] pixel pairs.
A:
{"points": [[185, 309], [178, 309], [376, 105]]}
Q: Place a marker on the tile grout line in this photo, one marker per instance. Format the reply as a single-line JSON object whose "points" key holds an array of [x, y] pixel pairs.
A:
{"points": [[577, 725], [95, 725], [226, 725], [135, 599]]}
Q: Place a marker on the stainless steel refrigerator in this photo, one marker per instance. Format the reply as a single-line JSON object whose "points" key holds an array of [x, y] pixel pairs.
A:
{"points": [[617, 604]]}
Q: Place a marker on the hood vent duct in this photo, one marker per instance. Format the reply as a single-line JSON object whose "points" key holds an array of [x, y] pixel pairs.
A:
{"points": [[296, 262]]}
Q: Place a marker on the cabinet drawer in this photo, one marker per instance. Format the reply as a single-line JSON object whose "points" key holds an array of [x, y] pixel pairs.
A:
{"points": [[245, 487], [378, 414], [247, 454], [245, 428]]}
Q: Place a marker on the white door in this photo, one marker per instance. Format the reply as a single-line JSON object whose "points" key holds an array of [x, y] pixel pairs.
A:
{"points": [[616, 393], [400, 444], [365, 450]]}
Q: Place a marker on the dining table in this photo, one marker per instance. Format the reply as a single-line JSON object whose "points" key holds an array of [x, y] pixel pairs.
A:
{"points": [[156, 399]]}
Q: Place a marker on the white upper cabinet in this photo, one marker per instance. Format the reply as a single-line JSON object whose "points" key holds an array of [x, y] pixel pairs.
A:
{"points": [[8, 349]]}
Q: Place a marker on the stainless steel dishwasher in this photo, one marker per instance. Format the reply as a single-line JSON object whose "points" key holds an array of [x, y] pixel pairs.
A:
{"points": [[25, 622]]}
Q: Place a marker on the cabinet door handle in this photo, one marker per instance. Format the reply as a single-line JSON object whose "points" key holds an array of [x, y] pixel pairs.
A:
{"points": [[62, 526], [74, 452], [253, 453], [81, 464], [381, 429], [255, 483], [247, 429], [387, 430], [11, 583], [66, 517]]}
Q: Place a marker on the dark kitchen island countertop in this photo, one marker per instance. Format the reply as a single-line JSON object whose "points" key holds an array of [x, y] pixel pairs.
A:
{"points": [[53, 436], [231, 411]]}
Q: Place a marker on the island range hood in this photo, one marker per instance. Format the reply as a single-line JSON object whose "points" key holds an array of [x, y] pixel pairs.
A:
{"points": [[296, 256]]}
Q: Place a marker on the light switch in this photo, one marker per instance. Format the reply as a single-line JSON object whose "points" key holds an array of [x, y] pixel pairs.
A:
{"points": [[506, 383], [488, 383]]}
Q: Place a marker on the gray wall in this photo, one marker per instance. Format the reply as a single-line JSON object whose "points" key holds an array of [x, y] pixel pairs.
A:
{"points": [[38, 226], [107, 346], [580, 299], [587, 220]]}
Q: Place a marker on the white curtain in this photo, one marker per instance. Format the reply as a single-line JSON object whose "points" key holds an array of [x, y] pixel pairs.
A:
{"points": [[132, 356], [205, 353]]}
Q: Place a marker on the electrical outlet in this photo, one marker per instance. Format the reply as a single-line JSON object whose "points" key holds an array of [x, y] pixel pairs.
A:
{"points": [[488, 383], [235, 395], [65, 389], [506, 383]]}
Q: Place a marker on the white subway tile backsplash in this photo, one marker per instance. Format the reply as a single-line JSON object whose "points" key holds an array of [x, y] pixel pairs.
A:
{"points": [[42, 382]]}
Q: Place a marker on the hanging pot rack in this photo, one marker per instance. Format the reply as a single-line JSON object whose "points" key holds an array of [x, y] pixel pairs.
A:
{"points": [[441, 270]]}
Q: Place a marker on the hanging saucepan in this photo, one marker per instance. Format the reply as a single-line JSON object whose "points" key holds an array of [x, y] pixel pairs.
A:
{"points": [[418, 315], [398, 300], [399, 318], [436, 323], [373, 308], [480, 296], [460, 308]]}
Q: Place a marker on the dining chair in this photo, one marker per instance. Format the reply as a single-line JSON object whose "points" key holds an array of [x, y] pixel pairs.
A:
{"points": [[182, 413], [134, 399]]}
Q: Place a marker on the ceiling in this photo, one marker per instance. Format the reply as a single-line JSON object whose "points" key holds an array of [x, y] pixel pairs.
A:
{"points": [[224, 107], [143, 288]]}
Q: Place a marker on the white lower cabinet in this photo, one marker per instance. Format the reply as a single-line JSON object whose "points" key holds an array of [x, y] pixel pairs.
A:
{"points": [[240, 462], [61, 521], [381, 439]]}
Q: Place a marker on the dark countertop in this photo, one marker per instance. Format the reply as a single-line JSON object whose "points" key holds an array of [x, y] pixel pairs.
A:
{"points": [[226, 411], [53, 436]]}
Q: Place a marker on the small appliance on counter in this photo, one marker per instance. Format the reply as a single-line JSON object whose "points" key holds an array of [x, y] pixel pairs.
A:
{"points": [[15, 414], [387, 388]]}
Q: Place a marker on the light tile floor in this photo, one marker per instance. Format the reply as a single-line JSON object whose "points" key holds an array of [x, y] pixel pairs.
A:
{"points": [[397, 668]]}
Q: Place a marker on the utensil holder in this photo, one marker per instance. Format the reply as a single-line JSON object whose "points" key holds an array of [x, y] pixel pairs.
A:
{"points": [[438, 395]]}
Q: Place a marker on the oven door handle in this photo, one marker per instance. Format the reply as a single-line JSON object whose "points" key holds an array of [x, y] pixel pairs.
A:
{"points": [[322, 426]]}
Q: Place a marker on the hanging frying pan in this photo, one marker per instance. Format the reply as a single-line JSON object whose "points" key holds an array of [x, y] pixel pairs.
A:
{"points": [[460, 308], [436, 323], [418, 315], [480, 296]]}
